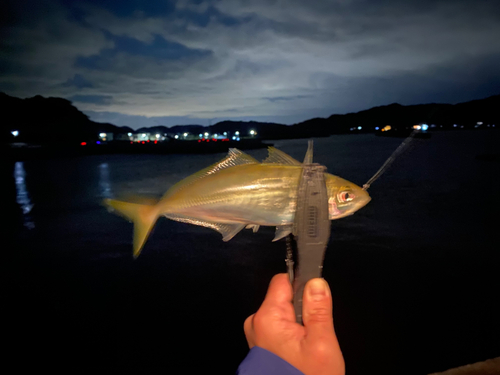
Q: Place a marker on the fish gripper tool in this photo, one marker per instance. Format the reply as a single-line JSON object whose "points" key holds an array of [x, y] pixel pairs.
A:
{"points": [[311, 229]]}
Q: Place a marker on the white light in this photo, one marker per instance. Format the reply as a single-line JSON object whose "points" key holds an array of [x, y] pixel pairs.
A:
{"points": [[425, 127], [252, 132], [359, 127], [200, 135], [129, 134], [215, 135], [234, 137], [454, 125], [238, 138], [480, 123], [237, 132], [176, 136], [225, 133], [206, 134], [185, 134], [102, 135], [15, 133]]}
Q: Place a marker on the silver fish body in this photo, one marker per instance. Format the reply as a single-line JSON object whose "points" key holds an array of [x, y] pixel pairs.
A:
{"points": [[239, 192]]}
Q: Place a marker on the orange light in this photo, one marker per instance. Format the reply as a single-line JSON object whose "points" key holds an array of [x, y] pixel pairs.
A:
{"points": [[83, 144]]}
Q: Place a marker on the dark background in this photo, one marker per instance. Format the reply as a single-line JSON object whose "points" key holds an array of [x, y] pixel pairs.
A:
{"points": [[414, 274]]}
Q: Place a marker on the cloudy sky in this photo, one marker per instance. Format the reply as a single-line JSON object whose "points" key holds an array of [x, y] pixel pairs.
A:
{"points": [[143, 63]]}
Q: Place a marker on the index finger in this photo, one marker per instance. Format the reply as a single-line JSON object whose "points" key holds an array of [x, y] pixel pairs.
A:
{"points": [[280, 290]]}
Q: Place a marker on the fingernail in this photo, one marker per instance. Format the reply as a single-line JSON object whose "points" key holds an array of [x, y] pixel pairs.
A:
{"points": [[317, 289]]}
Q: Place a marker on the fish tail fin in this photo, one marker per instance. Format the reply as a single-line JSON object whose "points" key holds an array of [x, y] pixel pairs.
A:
{"points": [[143, 216]]}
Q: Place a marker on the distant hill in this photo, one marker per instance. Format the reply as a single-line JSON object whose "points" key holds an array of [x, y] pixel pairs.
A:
{"points": [[466, 114], [42, 120]]}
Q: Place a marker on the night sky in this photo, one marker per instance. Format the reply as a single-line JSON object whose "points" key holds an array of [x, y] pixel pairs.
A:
{"points": [[145, 63]]}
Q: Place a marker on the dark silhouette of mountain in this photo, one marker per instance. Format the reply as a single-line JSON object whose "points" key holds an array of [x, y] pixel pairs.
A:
{"points": [[49, 120], [397, 115]]}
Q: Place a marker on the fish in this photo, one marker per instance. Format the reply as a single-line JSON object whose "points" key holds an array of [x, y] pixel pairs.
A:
{"points": [[238, 192]]}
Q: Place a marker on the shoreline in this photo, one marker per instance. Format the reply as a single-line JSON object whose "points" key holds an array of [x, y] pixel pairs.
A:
{"points": [[25, 152]]}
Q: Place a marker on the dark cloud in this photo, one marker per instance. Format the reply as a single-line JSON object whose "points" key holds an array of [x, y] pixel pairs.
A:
{"points": [[78, 81], [134, 62], [93, 99]]}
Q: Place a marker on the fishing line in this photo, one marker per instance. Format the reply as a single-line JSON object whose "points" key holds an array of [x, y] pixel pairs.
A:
{"points": [[402, 147]]}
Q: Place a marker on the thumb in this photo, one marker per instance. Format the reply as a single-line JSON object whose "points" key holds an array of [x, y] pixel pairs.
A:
{"points": [[317, 309]]}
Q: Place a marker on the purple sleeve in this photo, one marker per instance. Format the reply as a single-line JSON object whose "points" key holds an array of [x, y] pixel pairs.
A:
{"points": [[263, 362]]}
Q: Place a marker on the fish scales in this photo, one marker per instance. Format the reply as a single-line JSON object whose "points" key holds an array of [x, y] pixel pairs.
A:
{"points": [[252, 193], [239, 192]]}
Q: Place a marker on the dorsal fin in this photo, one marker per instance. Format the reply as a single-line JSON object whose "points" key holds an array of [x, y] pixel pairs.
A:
{"points": [[276, 156], [234, 157]]}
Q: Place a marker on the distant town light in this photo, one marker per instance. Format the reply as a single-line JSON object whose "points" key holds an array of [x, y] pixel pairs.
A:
{"points": [[129, 134], [234, 137], [15, 133], [252, 132], [176, 136], [425, 127], [185, 134], [480, 123], [417, 127], [102, 135], [225, 133], [200, 135], [377, 128], [206, 134], [359, 128], [237, 132], [158, 136]]}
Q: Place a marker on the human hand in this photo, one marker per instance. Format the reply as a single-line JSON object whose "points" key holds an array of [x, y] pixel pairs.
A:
{"points": [[312, 348]]}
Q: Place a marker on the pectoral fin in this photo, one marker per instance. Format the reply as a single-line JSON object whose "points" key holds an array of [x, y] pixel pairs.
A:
{"points": [[228, 231], [282, 232]]}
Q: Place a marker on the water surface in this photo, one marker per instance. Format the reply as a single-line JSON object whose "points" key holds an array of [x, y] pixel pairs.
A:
{"points": [[413, 274]]}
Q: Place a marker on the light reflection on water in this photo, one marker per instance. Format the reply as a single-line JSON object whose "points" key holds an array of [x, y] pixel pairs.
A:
{"points": [[22, 195], [104, 181]]}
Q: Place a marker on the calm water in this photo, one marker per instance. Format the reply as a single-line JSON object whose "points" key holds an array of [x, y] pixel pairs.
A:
{"points": [[414, 274]]}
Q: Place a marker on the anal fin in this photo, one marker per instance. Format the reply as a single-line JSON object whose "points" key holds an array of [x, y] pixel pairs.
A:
{"points": [[282, 231], [228, 231], [254, 227]]}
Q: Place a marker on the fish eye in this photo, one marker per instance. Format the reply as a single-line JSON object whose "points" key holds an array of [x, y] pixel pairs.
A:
{"points": [[345, 196]]}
